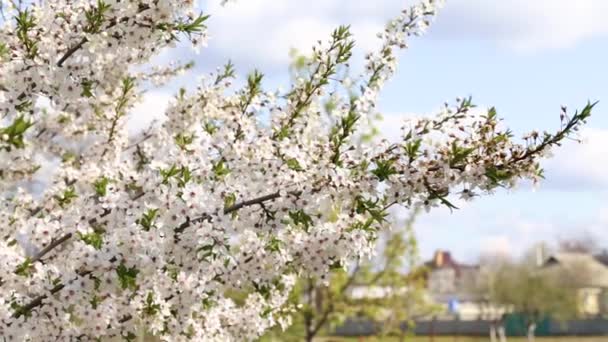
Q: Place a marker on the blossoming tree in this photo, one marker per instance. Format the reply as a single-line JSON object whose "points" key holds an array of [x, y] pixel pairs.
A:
{"points": [[236, 191]]}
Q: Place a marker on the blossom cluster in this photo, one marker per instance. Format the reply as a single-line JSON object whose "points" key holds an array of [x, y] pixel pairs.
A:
{"points": [[197, 228]]}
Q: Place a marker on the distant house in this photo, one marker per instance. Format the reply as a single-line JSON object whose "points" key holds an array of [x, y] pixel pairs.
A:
{"points": [[602, 257], [452, 284], [447, 276], [591, 279]]}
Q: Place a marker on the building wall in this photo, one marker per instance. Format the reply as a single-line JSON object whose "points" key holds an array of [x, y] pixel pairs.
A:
{"points": [[442, 280], [589, 301]]}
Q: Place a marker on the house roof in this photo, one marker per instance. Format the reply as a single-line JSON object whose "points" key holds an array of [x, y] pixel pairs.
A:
{"points": [[444, 259], [595, 272], [603, 257]]}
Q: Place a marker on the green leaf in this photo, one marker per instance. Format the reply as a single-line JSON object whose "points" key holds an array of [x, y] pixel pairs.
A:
{"points": [[101, 186], [264, 289], [68, 157], [300, 218], [586, 112], [172, 271], [183, 140], [444, 201], [412, 148], [210, 128], [274, 245], [87, 88], [227, 72], [384, 169], [266, 312], [95, 17], [293, 164], [25, 269], [282, 133], [95, 301], [142, 159], [459, 154], [150, 308], [19, 310], [497, 176], [66, 198], [372, 207], [220, 169], [167, 174], [184, 176], [229, 200], [26, 22], [4, 51], [15, 132], [130, 337], [206, 252], [194, 26], [491, 114], [148, 218], [128, 84], [336, 265], [127, 276], [94, 239]]}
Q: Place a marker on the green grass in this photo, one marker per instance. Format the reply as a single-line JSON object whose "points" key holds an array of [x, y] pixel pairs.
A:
{"points": [[461, 339]]}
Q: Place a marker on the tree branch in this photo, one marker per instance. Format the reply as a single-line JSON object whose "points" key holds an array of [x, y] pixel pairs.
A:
{"points": [[84, 40], [254, 201], [54, 243], [330, 308], [38, 300], [71, 51]]}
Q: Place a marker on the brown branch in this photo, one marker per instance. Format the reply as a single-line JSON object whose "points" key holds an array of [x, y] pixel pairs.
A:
{"points": [[188, 223], [254, 201], [71, 51], [145, 137], [54, 243], [84, 40], [38, 300]]}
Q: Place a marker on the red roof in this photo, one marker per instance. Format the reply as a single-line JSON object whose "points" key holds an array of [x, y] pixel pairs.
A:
{"points": [[444, 259]]}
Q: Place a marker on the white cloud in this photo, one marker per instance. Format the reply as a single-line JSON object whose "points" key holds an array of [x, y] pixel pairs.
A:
{"points": [[512, 232], [524, 25], [260, 33], [582, 165], [496, 245], [151, 107], [390, 126]]}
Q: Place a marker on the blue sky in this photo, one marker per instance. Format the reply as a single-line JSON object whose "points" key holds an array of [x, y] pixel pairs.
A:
{"points": [[524, 57]]}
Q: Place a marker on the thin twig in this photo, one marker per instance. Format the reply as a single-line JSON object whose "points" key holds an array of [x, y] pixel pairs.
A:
{"points": [[84, 40], [38, 300], [51, 246]]}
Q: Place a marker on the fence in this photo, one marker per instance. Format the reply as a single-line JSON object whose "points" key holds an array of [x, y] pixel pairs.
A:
{"points": [[514, 327]]}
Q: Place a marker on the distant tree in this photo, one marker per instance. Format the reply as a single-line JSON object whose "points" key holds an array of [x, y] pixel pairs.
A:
{"points": [[487, 288], [585, 243], [535, 292]]}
